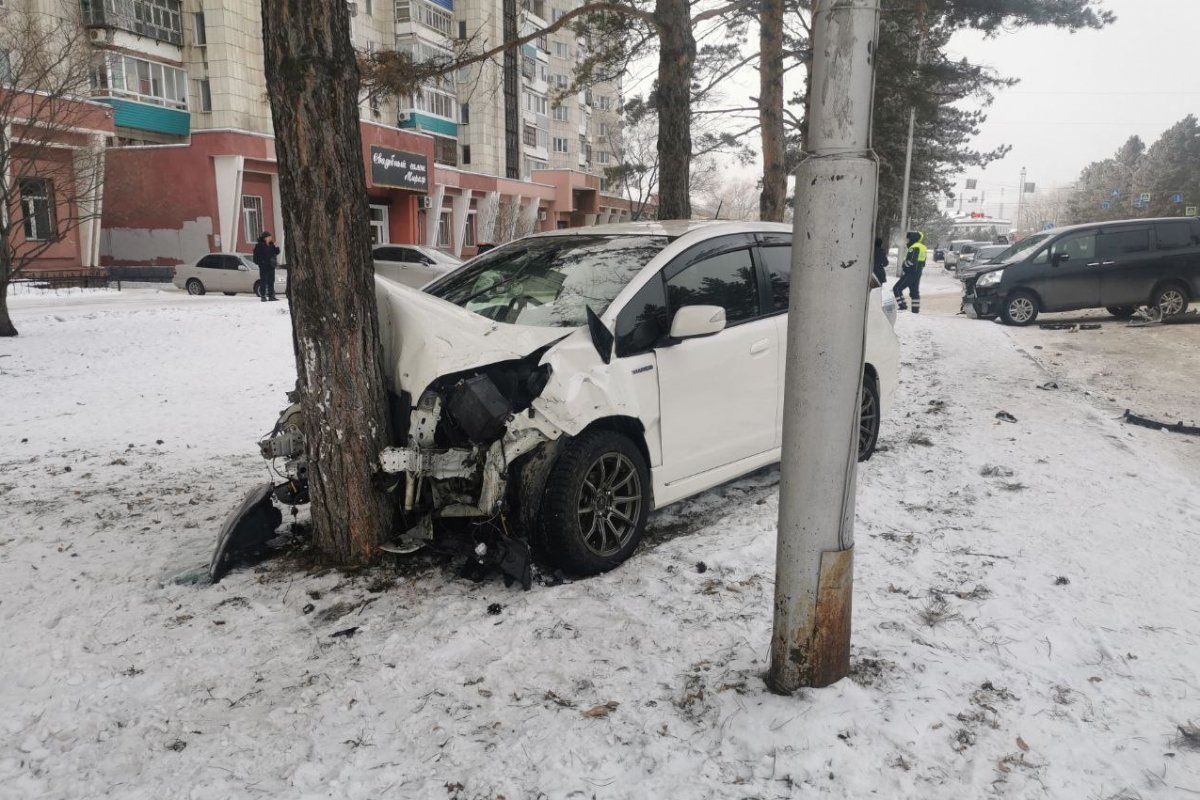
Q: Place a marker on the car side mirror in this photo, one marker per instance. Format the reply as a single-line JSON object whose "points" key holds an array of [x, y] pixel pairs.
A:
{"points": [[243, 268], [693, 321], [1060, 258]]}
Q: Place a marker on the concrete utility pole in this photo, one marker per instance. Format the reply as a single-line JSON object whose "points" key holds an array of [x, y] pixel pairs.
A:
{"points": [[1020, 200], [908, 151], [831, 263]]}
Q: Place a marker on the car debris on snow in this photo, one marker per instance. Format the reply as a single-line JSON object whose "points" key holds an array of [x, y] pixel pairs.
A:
{"points": [[1146, 422], [1004, 416]]}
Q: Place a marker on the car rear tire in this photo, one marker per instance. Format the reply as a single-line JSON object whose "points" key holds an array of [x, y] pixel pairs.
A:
{"points": [[195, 287], [1019, 308], [1120, 312], [597, 498], [1171, 299], [869, 415]]}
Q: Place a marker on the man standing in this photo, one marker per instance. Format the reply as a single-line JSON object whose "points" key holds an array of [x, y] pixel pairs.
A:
{"points": [[881, 262], [914, 265], [266, 256]]}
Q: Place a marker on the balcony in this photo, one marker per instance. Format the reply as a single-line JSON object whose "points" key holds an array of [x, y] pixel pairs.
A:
{"points": [[161, 20]]}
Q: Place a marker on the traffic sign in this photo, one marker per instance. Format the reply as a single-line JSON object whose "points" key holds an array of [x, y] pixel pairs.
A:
{"points": [[1116, 193], [1191, 211], [1176, 198], [1144, 197], [1106, 205]]}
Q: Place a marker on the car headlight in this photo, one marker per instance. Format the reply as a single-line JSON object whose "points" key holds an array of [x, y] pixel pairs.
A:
{"points": [[990, 278]]}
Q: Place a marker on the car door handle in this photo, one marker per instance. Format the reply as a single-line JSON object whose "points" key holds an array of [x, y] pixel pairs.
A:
{"points": [[1107, 263], [761, 346], [1094, 263]]}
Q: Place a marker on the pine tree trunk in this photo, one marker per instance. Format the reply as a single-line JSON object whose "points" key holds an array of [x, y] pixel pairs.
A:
{"points": [[676, 63], [313, 84], [770, 111]]}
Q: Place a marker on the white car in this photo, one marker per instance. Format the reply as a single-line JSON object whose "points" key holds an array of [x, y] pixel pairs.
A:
{"points": [[231, 273], [563, 386], [411, 264]]}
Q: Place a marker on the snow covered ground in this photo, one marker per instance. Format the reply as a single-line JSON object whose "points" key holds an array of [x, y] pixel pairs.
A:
{"points": [[1026, 620]]}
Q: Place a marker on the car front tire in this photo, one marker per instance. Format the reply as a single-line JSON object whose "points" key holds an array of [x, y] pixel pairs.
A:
{"points": [[195, 287], [597, 499], [1020, 308], [1171, 299]]}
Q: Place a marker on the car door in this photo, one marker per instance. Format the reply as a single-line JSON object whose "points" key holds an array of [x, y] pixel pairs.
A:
{"points": [[1066, 275], [210, 273], [1126, 273], [718, 394], [775, 256]]}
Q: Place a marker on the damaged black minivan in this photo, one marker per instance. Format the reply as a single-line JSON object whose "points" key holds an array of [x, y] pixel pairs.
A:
{"points": [[1118, 266]]}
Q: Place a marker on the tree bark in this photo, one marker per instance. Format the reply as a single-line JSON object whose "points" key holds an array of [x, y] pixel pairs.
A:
{"points": [[6, 326], [770, 111], [676, 63], [313, 84]]}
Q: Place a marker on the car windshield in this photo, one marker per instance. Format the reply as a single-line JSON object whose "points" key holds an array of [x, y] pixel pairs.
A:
{"points": [[549, 281], [1020, 250], [440, 257], [989, 253]]}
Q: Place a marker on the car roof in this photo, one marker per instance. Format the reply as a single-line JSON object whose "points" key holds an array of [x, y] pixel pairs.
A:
{"points": [[1116, 223], [673, 228]]}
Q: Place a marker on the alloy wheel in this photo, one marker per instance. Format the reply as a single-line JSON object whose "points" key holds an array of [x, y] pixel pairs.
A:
{"points": [[610, 503], [1020, 309], [1171, 302]]}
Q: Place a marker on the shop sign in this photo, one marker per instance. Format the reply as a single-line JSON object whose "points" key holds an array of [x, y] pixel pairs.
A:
{"points": [[399, 170]]}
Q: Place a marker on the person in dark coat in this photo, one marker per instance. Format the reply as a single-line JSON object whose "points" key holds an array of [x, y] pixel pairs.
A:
{"points": [[266, 256], [881, 262]]}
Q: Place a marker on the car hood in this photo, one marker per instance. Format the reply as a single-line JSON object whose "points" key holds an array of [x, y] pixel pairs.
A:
{"points": [[976, 270], [425, 337]]}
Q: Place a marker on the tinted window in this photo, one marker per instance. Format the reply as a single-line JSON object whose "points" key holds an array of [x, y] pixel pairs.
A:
{"points": [[644, 321], [210, 262], [230, 262], [1079, 246], [726, 280], [388, 253], [1123, 243], [778, 261], [1173, 235]]}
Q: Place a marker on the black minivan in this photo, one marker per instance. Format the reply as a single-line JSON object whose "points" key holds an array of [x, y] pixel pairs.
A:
{"points": [[1114, 265]]}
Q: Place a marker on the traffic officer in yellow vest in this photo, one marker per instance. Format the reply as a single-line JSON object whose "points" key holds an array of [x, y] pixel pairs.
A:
{"points": [[914, 265]]}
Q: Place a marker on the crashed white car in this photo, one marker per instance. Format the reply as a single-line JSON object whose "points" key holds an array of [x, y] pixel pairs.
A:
{"points": [[561, 387]]}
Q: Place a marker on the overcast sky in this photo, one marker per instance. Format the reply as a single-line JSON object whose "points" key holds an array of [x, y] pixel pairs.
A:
{"points": [[1082, 95]]}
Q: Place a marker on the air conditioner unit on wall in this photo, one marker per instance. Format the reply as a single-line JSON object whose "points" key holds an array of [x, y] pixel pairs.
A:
{"points": [[425, 201]]}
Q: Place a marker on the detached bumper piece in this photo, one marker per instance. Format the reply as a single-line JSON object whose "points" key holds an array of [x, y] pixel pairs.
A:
{"points": [[1145, 422], [249, 526]]}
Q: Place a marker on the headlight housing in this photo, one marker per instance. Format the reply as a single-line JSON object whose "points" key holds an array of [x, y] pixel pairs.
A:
{"points": [[990, 278]]}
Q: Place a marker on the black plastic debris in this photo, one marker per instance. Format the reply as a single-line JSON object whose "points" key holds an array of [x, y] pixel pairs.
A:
{"points": [[1062, 580], [701, 567], [494, 609], [1004, 416], [308, 608], [1146, 422], [1048, 385], [345, 633], [1070, 326]]}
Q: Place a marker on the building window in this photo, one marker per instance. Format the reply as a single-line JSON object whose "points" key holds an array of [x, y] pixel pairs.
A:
{"points": [[369, 7], [141, 80], [562, 114], [469, 233], [466, 114], [543, 44], [5, 63], [199, 34], [462, 30], [204, 94], [445, 151], [530, 136], [535, 103], [562, 50], [535, 6], [466, 159], [560, 145], [603, 156], [38, 210], [402, 11], [556, 15], [443, 239], [252, 216]]}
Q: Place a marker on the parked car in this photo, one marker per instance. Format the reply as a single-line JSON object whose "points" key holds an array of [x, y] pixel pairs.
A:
{"points": [[986, 254], [1114, 265], [569, 383], [411, 264], [231, 273]]}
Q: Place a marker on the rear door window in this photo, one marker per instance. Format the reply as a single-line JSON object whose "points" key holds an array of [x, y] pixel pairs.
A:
{"points": [[1123, 243], [230, 262], [778, 261], [1173, 235]]}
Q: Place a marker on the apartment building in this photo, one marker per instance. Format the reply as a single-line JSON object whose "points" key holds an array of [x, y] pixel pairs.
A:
{"points": [[186, 82]]}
